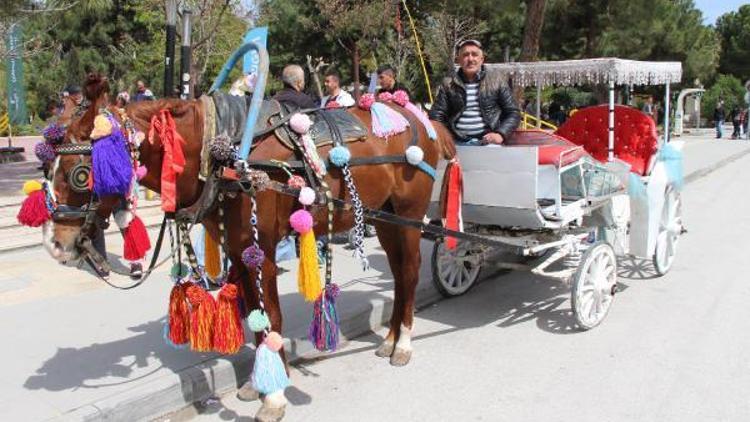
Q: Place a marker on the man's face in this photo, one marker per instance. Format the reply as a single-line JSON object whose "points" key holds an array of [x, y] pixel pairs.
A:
{"points": [[332, 84], [470, 59], [386, 80], [77, 98], [140, 86]]}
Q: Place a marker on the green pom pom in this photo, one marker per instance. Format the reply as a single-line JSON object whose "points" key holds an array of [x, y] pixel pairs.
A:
{"points": [[180, 269], [258, 321]]}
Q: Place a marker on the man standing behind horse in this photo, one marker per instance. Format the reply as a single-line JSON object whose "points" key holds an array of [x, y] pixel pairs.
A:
{"points": [[336, 95], [476, 106], [292, 96]]}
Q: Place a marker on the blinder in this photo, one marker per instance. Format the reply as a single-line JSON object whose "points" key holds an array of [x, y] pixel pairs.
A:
{"points": [[78, 177]]}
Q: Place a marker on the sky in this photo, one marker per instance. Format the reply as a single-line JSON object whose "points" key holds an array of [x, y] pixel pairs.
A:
{"points": [[712, 9]]}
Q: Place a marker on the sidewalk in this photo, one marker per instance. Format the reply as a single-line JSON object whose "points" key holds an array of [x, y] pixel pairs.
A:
{"points": [[78, 350]]}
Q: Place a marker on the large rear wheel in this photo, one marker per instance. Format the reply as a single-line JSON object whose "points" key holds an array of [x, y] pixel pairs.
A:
{"points": [[670, 229]]}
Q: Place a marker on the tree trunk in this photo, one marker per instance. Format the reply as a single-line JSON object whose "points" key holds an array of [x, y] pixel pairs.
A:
{"points": [[532, 29], [355, 69]]}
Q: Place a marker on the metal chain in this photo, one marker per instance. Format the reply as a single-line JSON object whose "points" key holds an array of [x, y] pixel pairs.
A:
{"points": [[359, 219], [256, 243]]}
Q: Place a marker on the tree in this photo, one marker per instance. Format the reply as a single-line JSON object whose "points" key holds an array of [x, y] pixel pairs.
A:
{"points": [[532, 29], [727, 88], [734, 30]]}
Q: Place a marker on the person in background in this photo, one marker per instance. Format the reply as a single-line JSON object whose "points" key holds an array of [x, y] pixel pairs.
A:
{"points": [[387, 81], [334, 91], [292, 96], [719, 116], [736, 122], [142, 93]]}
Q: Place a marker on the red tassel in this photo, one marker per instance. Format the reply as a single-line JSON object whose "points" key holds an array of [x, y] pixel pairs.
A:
{"points": [[229, 335], [179, 315], [34, 212], [454, 198], [202, 315], [137, 242]]}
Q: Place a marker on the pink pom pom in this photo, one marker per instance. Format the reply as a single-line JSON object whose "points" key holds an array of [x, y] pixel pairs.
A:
{"points": [[140, 172], [300, 123], [385, 97], [301, 221], [400, 97], [306, 196], [366, 101], [296, 181], [274, 341]]}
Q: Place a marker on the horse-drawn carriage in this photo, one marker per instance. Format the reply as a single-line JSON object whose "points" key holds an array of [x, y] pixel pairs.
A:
{"points": [[567, 204]]}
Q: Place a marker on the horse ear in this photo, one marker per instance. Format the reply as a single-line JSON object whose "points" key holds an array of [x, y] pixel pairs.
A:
{"points": [[95, 87]]}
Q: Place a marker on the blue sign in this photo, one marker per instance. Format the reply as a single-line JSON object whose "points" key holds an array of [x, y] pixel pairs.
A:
{"points": [[251, 59]]}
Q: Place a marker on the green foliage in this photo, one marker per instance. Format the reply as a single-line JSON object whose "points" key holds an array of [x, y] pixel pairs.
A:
{"points": [[727, 88], [734, 29]]}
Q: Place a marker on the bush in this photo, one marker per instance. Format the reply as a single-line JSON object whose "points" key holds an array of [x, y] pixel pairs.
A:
{"points": [[729, 89]]}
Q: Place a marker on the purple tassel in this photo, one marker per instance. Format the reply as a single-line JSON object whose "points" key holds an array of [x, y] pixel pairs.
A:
{"points": [[324, 328], [112, 168]]}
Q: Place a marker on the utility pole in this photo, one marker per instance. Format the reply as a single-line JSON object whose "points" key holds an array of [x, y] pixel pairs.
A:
{"points": [[169, 53], [185, 55]]}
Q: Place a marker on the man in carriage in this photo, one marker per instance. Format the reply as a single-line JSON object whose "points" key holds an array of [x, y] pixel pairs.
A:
{"points": [[475, 105]]}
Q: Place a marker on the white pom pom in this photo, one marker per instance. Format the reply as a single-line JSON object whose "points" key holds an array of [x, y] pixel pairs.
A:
{"points": [[414, 155], [306, 196]]}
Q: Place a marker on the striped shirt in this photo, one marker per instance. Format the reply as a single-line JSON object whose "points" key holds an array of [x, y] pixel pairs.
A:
{"points": [[470, 123]]}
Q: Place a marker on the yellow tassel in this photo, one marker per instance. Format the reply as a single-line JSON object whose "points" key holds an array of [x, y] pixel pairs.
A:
{"points": [[213, 262], [308, 278]]}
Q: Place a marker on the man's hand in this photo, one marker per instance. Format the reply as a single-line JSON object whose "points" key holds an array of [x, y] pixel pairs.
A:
{"points": [[493, 138]]}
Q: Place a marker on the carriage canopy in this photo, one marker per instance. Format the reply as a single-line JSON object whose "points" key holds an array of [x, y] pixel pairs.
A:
{"points": [[590, 71]]}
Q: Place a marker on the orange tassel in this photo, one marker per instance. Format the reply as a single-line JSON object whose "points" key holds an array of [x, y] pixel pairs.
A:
{"points": [[202, 315], [213, 258], [179, 315], [229, 335]]}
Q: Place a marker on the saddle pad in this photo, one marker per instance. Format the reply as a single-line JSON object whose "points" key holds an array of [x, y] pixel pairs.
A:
{"points": [[231, 113], [349, 126]]}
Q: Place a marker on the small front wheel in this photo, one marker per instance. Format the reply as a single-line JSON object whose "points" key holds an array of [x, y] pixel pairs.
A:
{"points": [[455, 271], [594, 285]]}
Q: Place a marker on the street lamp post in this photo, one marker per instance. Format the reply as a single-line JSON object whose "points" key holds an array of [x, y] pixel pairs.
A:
{"points": [[169, 53], [185, 53]]}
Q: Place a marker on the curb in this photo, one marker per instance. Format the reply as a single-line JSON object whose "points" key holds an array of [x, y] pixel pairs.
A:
{"points": [[216, 376], [219, 375]]}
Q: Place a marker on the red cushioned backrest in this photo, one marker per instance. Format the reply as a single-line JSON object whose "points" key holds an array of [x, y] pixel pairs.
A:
{"points": [[550, 146], [636, 139]]}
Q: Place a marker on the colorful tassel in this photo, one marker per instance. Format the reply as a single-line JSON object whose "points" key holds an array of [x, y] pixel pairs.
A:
{"points": [[34, 211], [202, 315], [324, 328], [269, 373], [387, 121], [228, 333], [212, 257], [453, 199], [179, 315], [137, 242], [308, 278], [112, 168], [422, 117]]}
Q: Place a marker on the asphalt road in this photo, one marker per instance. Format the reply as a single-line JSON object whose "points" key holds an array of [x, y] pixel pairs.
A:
{"points": [[671, 349]]}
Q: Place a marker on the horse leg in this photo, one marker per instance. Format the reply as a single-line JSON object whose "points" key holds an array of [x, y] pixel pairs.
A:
{"points": [[388, 237], [409, 277]]}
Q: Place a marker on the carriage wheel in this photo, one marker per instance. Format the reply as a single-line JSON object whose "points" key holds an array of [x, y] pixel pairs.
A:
{"points": [[670, 229], [594, 285], [455, 272]]}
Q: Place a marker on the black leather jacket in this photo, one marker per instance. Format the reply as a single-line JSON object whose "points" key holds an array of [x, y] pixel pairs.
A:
{"points": [[499, 111]]}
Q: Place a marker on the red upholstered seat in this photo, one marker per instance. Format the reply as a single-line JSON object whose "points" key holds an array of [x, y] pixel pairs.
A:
{"points": [[636, 139], [551, 147]]}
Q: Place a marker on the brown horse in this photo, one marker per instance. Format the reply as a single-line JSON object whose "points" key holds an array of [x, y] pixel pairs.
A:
{"points": [[400, 188]]}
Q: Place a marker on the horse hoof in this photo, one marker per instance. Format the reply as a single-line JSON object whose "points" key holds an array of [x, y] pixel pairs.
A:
{"points": [[385, 350], [269, 414], [247, 392], [400, 357]]}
